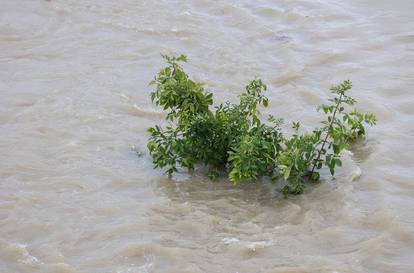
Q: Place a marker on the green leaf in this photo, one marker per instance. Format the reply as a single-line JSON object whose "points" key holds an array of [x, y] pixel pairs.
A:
{"points": [[315, 176], [338, 162], [286, 173]]}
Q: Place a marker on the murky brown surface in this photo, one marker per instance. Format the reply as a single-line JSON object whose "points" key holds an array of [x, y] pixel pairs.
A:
{"points": [[74, 99]]}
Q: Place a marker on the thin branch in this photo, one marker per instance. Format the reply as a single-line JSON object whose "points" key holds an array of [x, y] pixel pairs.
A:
{"points": [[327, 135]]}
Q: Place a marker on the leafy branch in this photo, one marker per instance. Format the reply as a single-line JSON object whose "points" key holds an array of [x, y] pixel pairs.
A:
{"points": [[233, 138]]}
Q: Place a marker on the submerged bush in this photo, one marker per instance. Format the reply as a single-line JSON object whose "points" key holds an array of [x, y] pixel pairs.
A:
{"points": [[232, 138]]}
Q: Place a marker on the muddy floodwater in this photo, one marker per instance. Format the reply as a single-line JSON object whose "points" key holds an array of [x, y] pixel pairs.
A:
{"points": [[76, 197]]}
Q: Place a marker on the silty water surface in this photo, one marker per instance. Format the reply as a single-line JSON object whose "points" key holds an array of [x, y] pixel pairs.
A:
{"points": [[74, 197]]}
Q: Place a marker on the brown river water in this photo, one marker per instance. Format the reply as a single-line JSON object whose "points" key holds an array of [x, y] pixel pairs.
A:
{"points": [[75, 197]]}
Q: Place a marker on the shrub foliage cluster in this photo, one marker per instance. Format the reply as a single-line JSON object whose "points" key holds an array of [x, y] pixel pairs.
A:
{"points": [[232, 138]]}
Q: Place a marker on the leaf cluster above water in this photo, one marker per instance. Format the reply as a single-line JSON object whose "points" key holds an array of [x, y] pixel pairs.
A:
{"points": [[233, 138]]}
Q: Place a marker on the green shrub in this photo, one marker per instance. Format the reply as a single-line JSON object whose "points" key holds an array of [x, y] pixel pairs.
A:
{"points": [[234, 139]]}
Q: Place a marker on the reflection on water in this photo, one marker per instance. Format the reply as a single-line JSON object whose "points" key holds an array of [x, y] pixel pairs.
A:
{"points": [[74, 80]]}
